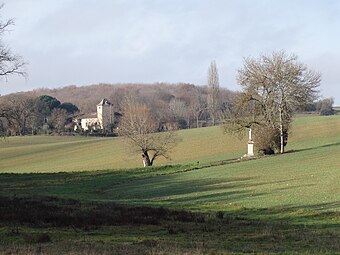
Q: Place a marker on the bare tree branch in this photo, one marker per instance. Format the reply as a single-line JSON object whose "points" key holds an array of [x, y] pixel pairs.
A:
{"points": [[10, 63]]}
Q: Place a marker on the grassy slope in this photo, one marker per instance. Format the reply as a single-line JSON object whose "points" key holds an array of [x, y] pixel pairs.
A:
{"points": [[54, 154], [287, 203], [308, 176]]}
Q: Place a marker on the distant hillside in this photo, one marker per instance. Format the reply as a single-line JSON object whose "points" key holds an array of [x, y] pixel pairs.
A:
{"points": [[87, 97], [173, 106]]}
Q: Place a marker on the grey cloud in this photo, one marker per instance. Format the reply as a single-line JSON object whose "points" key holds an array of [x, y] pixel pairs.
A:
{"points": [[90, 41]]}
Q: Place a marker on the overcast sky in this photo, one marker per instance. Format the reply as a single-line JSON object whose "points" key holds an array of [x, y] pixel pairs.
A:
{"points": [[83, 42]]}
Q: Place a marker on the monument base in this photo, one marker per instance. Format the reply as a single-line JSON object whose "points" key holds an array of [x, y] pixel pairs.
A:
{"points": [[250, 149], [250, 153]]}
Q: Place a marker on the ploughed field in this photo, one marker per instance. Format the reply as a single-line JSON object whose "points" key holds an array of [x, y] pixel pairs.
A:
{"points": [[203, 201]]}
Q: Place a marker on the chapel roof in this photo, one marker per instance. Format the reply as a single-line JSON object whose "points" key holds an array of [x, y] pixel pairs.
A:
{"points": [[104, 102], [87, 116]]}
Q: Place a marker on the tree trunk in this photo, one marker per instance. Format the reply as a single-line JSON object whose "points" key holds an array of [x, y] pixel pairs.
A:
{"points": [[146, 159], [281, 139], [281, 133]]}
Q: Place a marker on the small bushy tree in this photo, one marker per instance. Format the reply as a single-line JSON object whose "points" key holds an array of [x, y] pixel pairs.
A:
{"points": [[139, 128], [58, 119], [268, 139], [325, 107]]}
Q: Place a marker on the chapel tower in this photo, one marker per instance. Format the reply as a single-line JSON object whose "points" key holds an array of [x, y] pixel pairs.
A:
{"points": [[104, 113]]}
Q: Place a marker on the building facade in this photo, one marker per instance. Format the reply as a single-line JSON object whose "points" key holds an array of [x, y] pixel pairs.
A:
{"points": [[104, 119]]}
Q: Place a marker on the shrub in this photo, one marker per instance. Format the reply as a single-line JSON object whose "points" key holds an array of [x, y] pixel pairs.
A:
{"points": [[268, 139], [220, 215], [325, 107], [37, 238], [182, 123]]}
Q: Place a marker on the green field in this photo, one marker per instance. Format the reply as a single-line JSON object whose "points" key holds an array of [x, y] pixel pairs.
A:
{"points": [[54, 154], [279, 204]]}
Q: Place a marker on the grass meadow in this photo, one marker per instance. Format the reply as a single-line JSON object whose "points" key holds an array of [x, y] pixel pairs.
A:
{"points": [[88, 195], [56, 153]]}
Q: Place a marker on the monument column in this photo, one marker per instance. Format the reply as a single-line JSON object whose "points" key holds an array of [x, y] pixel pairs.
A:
{"points": [[250, 145]]}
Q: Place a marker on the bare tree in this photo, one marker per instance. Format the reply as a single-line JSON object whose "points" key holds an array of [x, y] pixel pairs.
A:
{"points": [[3, 126], [59, 119], [273, 86], [177, 108], [18, 110], [139, 127], [10, 64], [213, 90], [198, 105], [179, 112], [325, 106]]}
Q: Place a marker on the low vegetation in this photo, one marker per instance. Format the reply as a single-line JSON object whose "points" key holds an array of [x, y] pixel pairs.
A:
{"points": [[55, 226]]}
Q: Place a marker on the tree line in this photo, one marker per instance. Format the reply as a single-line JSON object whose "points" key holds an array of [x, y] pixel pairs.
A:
{"points": [[174, 106], [21, 114]]}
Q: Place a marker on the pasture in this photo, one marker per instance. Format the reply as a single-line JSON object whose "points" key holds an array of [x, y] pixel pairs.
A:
{"points": [[54, 154], [279, 204]]}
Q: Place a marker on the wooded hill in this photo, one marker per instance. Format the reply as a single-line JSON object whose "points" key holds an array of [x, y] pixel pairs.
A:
{"points": [[175, 105], [87, 97]]}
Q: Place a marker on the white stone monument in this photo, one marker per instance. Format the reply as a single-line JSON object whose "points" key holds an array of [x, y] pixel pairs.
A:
{"points": [[250, 145]]}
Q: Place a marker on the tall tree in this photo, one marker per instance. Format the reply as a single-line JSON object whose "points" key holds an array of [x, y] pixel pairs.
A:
{"points": [[44, 106], [179, 111], [69, 107], [198, 104], [19, 111], [10, 63], [59, 119], [213, 91], [139, 127], [49, 102], [273, 86]]}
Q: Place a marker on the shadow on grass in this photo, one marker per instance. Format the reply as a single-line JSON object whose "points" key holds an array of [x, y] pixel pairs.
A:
{"points": [[158, 187], [196, 188]]}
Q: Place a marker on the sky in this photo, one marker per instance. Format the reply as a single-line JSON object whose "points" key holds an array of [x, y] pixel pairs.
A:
{"points": [[84, 42]]}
